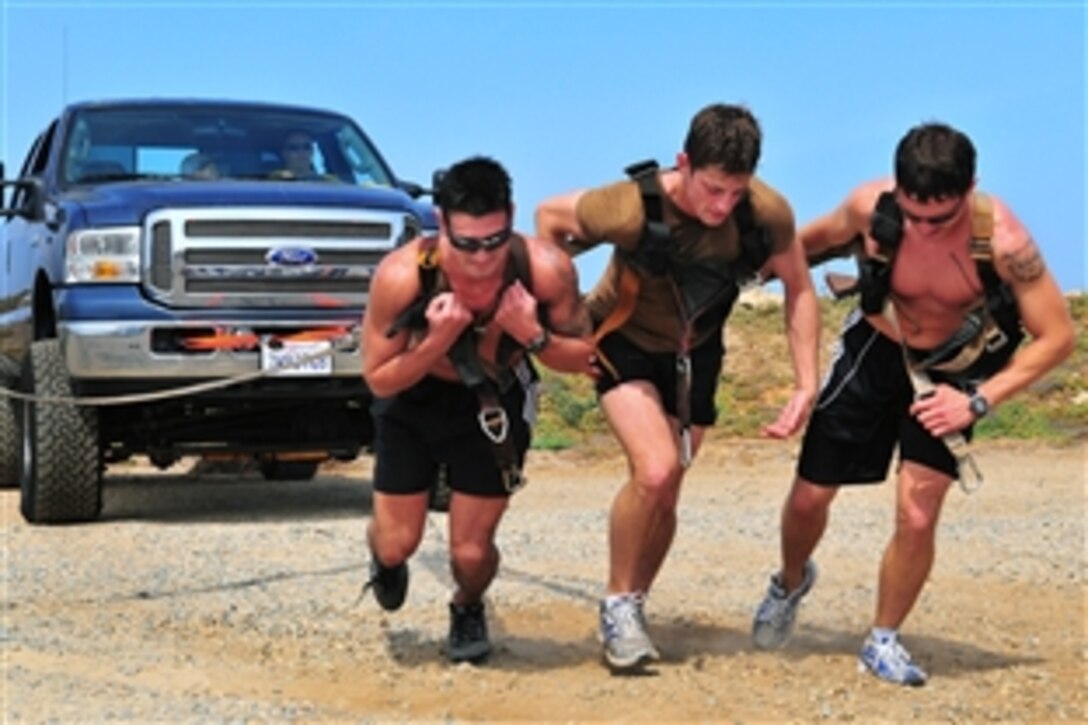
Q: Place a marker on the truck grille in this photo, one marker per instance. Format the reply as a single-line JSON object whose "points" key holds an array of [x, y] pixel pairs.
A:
{"points": [[267, 257]]}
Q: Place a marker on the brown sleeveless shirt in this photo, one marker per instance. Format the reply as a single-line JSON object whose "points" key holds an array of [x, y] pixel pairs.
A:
{"points": [[614, 214]]}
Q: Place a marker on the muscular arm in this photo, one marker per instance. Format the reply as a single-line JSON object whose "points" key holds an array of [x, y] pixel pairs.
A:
{"points": [[802, 320], [391, 364], [839, 226], [557, 220], [555, 284], [1043, 309]]}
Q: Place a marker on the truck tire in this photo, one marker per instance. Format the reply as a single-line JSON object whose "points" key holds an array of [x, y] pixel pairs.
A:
{"points": [[9, 442], [274, 470], [60, 471]]}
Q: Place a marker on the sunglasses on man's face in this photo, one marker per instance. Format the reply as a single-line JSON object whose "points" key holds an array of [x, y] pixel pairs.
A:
{"points": [[298, 147], [475, 244], [937, 219]]}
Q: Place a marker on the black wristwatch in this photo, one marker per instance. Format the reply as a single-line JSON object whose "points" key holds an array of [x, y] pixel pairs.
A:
{"points": [[539, 342], [978, 405]]}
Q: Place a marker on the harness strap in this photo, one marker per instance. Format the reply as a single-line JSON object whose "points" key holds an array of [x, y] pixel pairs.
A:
{"points": [[414, 317], [645, 174], [465, 357], [923, 387], [982, 225]]}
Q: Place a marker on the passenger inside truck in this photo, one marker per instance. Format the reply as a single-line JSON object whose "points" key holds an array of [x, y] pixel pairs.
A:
{"points": [[200, 166]]}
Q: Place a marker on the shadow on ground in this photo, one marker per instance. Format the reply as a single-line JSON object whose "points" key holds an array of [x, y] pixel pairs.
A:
{"points": [[235, 498]]}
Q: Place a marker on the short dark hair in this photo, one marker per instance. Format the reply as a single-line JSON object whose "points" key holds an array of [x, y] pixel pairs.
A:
{"points": [[934, 161], [477, 186], [724, 136]]}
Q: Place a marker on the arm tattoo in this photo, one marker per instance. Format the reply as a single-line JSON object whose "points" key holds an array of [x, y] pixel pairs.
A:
{"points": [[1025, 264]]}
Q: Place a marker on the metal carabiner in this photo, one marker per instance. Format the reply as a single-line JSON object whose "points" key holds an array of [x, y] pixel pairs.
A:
{"points": [[975, 471], [494, 423], [512, 478]]}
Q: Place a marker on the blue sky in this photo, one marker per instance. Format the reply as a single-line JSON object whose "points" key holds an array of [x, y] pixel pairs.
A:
{"points": [[566, 94]]}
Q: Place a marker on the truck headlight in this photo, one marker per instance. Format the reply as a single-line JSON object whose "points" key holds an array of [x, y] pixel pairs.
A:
{"points": [[104, 255]]}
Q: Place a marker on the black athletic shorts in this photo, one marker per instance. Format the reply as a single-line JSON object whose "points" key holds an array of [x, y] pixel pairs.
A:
{"points": [[435, 423], [863, 411], [659, 368]]}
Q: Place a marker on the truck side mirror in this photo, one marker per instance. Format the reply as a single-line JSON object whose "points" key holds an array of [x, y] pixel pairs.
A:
{"points": [[412, 189], [33, 201], [436, 182]]}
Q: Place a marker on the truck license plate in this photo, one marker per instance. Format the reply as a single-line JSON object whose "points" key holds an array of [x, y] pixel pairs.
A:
{"points": [[297, 358]]}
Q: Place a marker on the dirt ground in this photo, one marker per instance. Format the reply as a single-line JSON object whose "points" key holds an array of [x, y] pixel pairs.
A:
{"points": [[225, 598]]}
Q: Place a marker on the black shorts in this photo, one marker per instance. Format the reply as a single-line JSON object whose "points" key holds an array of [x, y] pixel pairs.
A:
{"points": [[863, 411], [435, 423], [659, 368]]}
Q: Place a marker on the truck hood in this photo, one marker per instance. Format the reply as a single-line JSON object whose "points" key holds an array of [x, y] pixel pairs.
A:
{"points": [[127, 203]]}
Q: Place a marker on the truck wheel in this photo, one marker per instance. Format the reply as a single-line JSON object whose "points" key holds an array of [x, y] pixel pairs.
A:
{"points": [[9, 440], [274, 470], [60, 471]]}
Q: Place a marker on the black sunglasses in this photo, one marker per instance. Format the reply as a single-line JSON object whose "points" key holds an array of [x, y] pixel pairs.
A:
{"points": [[302, 146], [937, 219], [475, 244]]}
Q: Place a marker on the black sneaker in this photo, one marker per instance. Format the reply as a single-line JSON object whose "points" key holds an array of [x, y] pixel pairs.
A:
{"points": [[468, 634], [390, 583]]}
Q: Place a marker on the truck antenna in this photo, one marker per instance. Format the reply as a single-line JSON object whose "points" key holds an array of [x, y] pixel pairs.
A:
{"points": [[64, 65]]}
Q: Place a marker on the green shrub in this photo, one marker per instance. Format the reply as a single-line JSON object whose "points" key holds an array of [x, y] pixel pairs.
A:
{"points": [[757, 380]]}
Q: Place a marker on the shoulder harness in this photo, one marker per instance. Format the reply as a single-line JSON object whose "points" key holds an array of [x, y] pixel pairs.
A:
{"points": [[698, 287], [994, 325], [487, 382]]}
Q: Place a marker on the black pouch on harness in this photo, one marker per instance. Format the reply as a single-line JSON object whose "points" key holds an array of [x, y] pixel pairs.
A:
{"points": [[874, 283], [875, 273]]}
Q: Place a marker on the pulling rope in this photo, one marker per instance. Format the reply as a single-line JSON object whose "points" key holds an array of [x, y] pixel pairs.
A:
{"points": [[337, 344]]}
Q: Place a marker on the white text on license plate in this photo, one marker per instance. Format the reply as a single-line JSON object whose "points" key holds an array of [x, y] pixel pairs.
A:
{"points": [[298, 358]]}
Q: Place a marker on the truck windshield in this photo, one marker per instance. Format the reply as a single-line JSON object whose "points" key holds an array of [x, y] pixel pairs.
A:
{"points": [[201, 143]]}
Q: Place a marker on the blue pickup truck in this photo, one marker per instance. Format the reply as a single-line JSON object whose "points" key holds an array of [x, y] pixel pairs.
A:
{"points": [[154, 249]]}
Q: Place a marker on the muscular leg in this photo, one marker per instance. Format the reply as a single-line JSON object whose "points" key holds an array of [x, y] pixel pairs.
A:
{"points": [[643, 518], [659, 538], [804, 519], [474, 559], [396, 526], [909, 556]]}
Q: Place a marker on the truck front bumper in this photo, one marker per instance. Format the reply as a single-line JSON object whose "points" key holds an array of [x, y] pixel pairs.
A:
{"points": [[114, 351]]}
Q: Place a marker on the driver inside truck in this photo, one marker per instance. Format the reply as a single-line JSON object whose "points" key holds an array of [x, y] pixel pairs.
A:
{"points": [[297, 153]]}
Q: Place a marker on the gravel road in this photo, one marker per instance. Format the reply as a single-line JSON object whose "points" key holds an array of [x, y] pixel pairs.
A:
{"points": [[225, 598]]}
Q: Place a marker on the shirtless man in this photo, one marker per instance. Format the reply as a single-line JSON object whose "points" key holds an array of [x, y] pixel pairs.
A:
{"points": [[445, 338], [925, 224]]}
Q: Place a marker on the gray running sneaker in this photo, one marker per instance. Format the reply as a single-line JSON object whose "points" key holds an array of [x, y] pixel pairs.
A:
{"points": [[774, 619], [890, 661], [468, 640], [627, 647]]}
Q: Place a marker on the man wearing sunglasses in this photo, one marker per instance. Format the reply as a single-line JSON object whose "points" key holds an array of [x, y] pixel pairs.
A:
{"points": [[684, 240], [937, 255], [445, 340]]}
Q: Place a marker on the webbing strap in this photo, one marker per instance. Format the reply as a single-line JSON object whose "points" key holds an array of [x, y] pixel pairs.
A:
{"points": [[982, 224], [923, 387]]}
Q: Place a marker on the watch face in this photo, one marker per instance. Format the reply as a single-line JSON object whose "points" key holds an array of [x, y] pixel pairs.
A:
{"points": [[979, 406]]}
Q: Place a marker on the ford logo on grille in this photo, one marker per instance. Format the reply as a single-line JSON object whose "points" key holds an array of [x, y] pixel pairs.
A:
{"points": [[291, 256]]}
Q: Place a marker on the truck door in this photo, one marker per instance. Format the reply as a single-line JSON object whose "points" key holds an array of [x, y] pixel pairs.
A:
{"points": [[22, 234]]}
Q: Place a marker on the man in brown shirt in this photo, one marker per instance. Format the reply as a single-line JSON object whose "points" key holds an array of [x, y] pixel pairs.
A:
{"points": [[658, 312]]}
